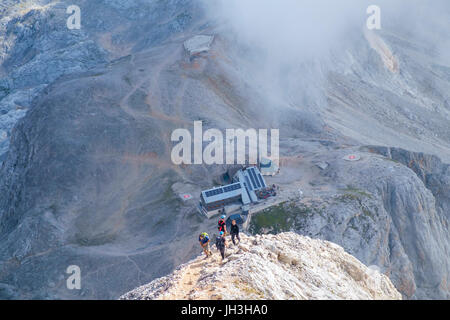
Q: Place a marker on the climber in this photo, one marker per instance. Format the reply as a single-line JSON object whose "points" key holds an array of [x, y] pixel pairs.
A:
{"points": [[222, 226], [203, 238], [221, 243], [234, 230]]}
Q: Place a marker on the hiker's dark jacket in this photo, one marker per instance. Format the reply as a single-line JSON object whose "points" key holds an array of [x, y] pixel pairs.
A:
{"points": [[220, 243], [234, 229]]}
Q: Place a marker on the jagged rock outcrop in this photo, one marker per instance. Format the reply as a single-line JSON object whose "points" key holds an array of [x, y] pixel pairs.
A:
{"points": [[381, 211], [283, 266], [36, 48]]}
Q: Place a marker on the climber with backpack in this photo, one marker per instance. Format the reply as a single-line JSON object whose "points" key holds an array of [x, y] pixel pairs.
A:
{"points": [[222, 226], [221, 244], [203, 238], [234, 230]]}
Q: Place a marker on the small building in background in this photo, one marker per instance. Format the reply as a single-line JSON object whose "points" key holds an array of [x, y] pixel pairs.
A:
{"points": [[268, 168], [198, 44], [214, 201], [247, 187]]}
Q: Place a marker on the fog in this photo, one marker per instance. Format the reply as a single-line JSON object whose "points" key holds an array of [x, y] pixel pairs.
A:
{"points": [[292, 44], [294, 30], [290, 29]]}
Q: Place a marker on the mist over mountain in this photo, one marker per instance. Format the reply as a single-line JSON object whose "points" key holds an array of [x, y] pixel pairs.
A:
{"points": [[86, 118]]}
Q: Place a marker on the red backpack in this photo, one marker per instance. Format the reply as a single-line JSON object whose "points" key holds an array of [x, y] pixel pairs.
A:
{"points": [[221, 226]]}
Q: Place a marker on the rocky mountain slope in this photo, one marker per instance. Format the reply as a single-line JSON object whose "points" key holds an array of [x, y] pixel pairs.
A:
{"points": [[389, 209], [86, 117], [285, 266]]}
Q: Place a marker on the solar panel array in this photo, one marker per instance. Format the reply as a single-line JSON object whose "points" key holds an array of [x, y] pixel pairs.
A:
{"points": [[261, 180], [254, 179], [232, 187], [229, 188], [214, 192], [255, 182], [248, 183]]}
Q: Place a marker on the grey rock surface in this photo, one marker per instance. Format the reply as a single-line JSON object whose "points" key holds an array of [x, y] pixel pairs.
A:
{"points": [[36, 48], [85, 123]]}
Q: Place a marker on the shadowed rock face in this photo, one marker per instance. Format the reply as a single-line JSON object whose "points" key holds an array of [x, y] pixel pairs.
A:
{"points": [[35, 50], [87, 178]]}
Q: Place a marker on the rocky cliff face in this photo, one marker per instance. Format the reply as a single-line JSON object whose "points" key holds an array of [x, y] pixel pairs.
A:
{"points": [[85, 123], [36, 48], [285, 266], [380, 211]]}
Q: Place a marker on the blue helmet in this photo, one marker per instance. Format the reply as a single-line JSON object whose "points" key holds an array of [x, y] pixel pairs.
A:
{"points": [[223, 216], [221, 233]]}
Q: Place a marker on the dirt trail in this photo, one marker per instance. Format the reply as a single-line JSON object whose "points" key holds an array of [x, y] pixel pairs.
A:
{"points": [[188, 281], [153, 89], [189, 278]]}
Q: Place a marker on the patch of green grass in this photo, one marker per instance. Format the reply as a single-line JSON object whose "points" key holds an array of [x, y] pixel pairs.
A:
{"points": [[348, 197], [278, 218], [353, 194]]}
